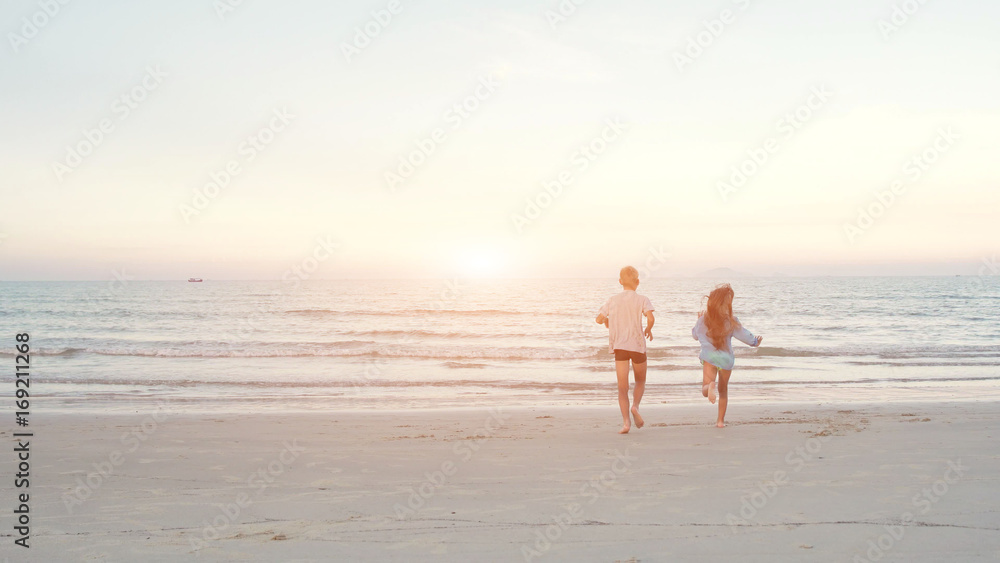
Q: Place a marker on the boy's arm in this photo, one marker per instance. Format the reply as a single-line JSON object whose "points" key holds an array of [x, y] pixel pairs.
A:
{"points": [[602, 315], [650, 320]]}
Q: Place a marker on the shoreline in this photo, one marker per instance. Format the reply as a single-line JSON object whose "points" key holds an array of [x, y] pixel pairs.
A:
{"points": [[595, 405], [187, 405]]}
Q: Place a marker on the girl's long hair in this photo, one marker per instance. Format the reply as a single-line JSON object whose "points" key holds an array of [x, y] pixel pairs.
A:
{"points": [[719, 317]]}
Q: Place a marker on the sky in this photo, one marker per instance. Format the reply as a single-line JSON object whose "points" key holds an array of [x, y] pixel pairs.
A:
{"points": [[501, 139]]}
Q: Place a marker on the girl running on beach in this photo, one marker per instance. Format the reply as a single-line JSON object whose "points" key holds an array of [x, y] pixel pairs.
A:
{"points": [[715, 330]]}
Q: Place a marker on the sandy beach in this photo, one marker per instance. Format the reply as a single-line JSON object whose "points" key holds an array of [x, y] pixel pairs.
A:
{"points": [[380, 281], [893, 482]]}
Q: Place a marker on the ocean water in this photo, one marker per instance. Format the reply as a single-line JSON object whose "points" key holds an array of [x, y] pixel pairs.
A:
{"points": [[252, 346]]}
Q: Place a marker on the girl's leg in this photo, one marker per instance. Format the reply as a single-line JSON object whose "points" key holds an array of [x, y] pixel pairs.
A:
{"points": [[708, 372], [621, 370], [723, 396]]}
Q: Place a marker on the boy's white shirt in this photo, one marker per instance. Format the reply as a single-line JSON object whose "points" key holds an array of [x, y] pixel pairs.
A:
{"points": [[624, 312]]}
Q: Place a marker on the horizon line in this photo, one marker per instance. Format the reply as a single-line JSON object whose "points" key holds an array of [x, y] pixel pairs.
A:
{"points": [[433, 278]]}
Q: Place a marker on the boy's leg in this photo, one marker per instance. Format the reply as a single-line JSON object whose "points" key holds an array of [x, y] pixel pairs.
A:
{"points": [[723, 396], [621, 369], [640, 386], [708, 372]]}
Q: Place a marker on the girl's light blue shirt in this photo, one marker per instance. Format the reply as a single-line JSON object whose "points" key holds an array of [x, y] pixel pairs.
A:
{"points": [[722, 359]]}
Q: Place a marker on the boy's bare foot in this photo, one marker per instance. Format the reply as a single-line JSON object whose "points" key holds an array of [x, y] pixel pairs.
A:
{"points": [[720, 424], [625, 429], [711, 392], [638, 419]]}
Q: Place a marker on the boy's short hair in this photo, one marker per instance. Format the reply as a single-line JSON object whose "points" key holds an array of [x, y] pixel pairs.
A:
{"points": [[629, 273]]}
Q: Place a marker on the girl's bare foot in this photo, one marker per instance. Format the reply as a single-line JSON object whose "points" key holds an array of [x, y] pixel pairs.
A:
{"points": [[638, 419], [711, 392], [625, 429], [720, 424]]}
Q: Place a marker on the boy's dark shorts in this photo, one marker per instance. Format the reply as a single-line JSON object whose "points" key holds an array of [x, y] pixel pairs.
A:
{"points": [[625, 355]]}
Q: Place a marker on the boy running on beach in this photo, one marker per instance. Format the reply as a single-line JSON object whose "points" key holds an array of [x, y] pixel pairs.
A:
{"points": [[622, 314]]}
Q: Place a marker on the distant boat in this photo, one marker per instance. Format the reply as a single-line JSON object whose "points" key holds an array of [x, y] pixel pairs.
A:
{"points": [[195, 279]]}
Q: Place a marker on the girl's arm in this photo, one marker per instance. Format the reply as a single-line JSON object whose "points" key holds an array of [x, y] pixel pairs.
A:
{"points": [[745, 336]]}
